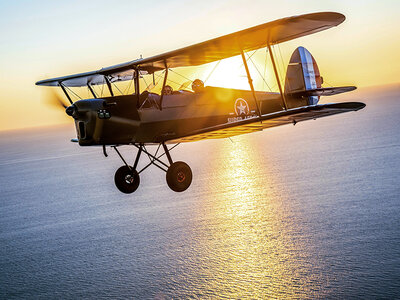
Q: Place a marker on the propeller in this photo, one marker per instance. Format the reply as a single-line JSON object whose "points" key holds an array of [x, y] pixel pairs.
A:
{"points": [[54, 100]]}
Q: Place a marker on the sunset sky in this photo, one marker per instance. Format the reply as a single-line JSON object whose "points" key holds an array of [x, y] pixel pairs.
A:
{"points": [[43, 39]]}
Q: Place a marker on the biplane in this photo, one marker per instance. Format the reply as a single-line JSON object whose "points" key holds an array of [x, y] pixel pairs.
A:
{"points": [[165, 119]]}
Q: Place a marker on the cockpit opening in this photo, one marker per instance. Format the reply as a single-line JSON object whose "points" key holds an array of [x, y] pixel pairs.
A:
{"points": [[150, 100]]}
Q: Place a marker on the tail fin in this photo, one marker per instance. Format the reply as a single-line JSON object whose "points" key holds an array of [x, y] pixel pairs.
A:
{"points": [[303, 84]]}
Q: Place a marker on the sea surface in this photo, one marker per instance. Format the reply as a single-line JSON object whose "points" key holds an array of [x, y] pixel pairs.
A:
{"points": [[296, 212]]}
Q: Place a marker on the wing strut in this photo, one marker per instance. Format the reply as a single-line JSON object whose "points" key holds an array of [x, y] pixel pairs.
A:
{"points": [[65, 92], [277, 77], [109, 85], [91, 90], [163, 85], [136, 81], [250, 82]]}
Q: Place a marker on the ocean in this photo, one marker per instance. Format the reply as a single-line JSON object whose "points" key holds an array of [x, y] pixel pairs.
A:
{"points": [[295, 212]]}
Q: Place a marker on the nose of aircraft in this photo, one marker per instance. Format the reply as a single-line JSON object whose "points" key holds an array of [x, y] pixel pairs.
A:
{"points": [[102, 121], [70, 110], [88, 120]]}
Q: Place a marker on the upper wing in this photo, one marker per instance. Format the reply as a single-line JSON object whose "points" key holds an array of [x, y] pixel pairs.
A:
{"points": [[256, 37], [291, 116], [115, 73]]}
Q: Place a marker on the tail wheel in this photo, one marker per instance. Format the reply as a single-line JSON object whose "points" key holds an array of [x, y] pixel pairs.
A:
{"points": [[126, 179], [179, 176]]}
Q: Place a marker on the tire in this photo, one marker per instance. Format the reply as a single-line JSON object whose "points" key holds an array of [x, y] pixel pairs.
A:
{"points": [[179, 176], [126, 180]]}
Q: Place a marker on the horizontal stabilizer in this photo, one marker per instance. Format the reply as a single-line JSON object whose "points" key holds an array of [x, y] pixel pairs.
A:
{"points": [[323, 91]]}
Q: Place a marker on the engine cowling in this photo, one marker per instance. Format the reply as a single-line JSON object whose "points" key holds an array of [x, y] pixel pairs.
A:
{"points": [[106, 121]]}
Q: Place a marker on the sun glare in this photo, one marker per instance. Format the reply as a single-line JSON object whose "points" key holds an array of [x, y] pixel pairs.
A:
{"points": [[231, 73]]}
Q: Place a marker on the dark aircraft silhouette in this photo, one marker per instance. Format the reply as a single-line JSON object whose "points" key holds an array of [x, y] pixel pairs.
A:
{"points": [[171, 117]]}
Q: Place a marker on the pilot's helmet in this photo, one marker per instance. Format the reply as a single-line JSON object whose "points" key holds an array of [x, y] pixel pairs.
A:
{"points": [[167, 90], [197, 86]]}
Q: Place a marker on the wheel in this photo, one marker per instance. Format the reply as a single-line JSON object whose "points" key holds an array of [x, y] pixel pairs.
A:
{"points": [[179, 176], [126, 179]]}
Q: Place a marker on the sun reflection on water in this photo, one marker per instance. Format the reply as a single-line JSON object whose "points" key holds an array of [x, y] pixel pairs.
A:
{"points": [[251, 246]]}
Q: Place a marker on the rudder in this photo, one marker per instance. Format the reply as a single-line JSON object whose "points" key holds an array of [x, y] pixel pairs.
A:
{"points": [[302, 75]]}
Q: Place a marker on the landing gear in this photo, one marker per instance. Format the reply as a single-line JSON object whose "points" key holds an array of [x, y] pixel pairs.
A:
{"points": [[126, 179], [178, 174]]}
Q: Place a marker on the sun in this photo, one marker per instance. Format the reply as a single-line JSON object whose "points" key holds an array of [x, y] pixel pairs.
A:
{"points": [[230, 73]]}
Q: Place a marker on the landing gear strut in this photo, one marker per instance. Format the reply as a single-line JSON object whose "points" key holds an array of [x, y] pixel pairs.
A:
{"points": [[178, 174]]}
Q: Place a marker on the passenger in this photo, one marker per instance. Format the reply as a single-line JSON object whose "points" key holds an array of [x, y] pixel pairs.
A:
{"points": [[198, 86], [167, 90]]}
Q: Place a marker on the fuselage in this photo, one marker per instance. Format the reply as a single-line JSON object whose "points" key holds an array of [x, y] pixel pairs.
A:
{"points": [[128, 119]]}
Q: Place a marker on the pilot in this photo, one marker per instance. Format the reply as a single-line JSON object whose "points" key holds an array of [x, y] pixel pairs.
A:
{"points": [[197, 86], [167, 90]]}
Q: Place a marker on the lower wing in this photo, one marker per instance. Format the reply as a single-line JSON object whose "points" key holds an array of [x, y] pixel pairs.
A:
{"points": [[290, 116]]}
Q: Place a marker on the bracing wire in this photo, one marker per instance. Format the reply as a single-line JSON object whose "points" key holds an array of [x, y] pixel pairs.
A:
{"points": [[283, 64], [117, 87], [330, 85], [168, 80], [265, 67], [277, 67], [259, 73], [177, 83], [249, 56], [102, 88], [94, 88], [75, 94], [174, 82], [212, 71], [158, 77], [126, 91], [281, 57], [145, 82], [180, 75]]}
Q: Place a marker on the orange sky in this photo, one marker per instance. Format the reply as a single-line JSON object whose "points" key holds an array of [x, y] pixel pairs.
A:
{"points": [[47, 39]]}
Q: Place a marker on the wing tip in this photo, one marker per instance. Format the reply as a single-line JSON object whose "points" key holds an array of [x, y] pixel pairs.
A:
{"points": [[350, 105], [335, 17], [361, 105], [47, 82]]}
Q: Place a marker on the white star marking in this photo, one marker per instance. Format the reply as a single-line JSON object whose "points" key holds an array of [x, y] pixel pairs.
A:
{"points": [[242, 108]]}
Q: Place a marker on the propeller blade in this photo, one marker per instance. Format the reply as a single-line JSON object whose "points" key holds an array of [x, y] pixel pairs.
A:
{"points": [[53, 99]]}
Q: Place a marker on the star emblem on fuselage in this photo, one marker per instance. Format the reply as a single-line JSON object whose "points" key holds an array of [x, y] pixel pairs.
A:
{"points": [[241, 107]]}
